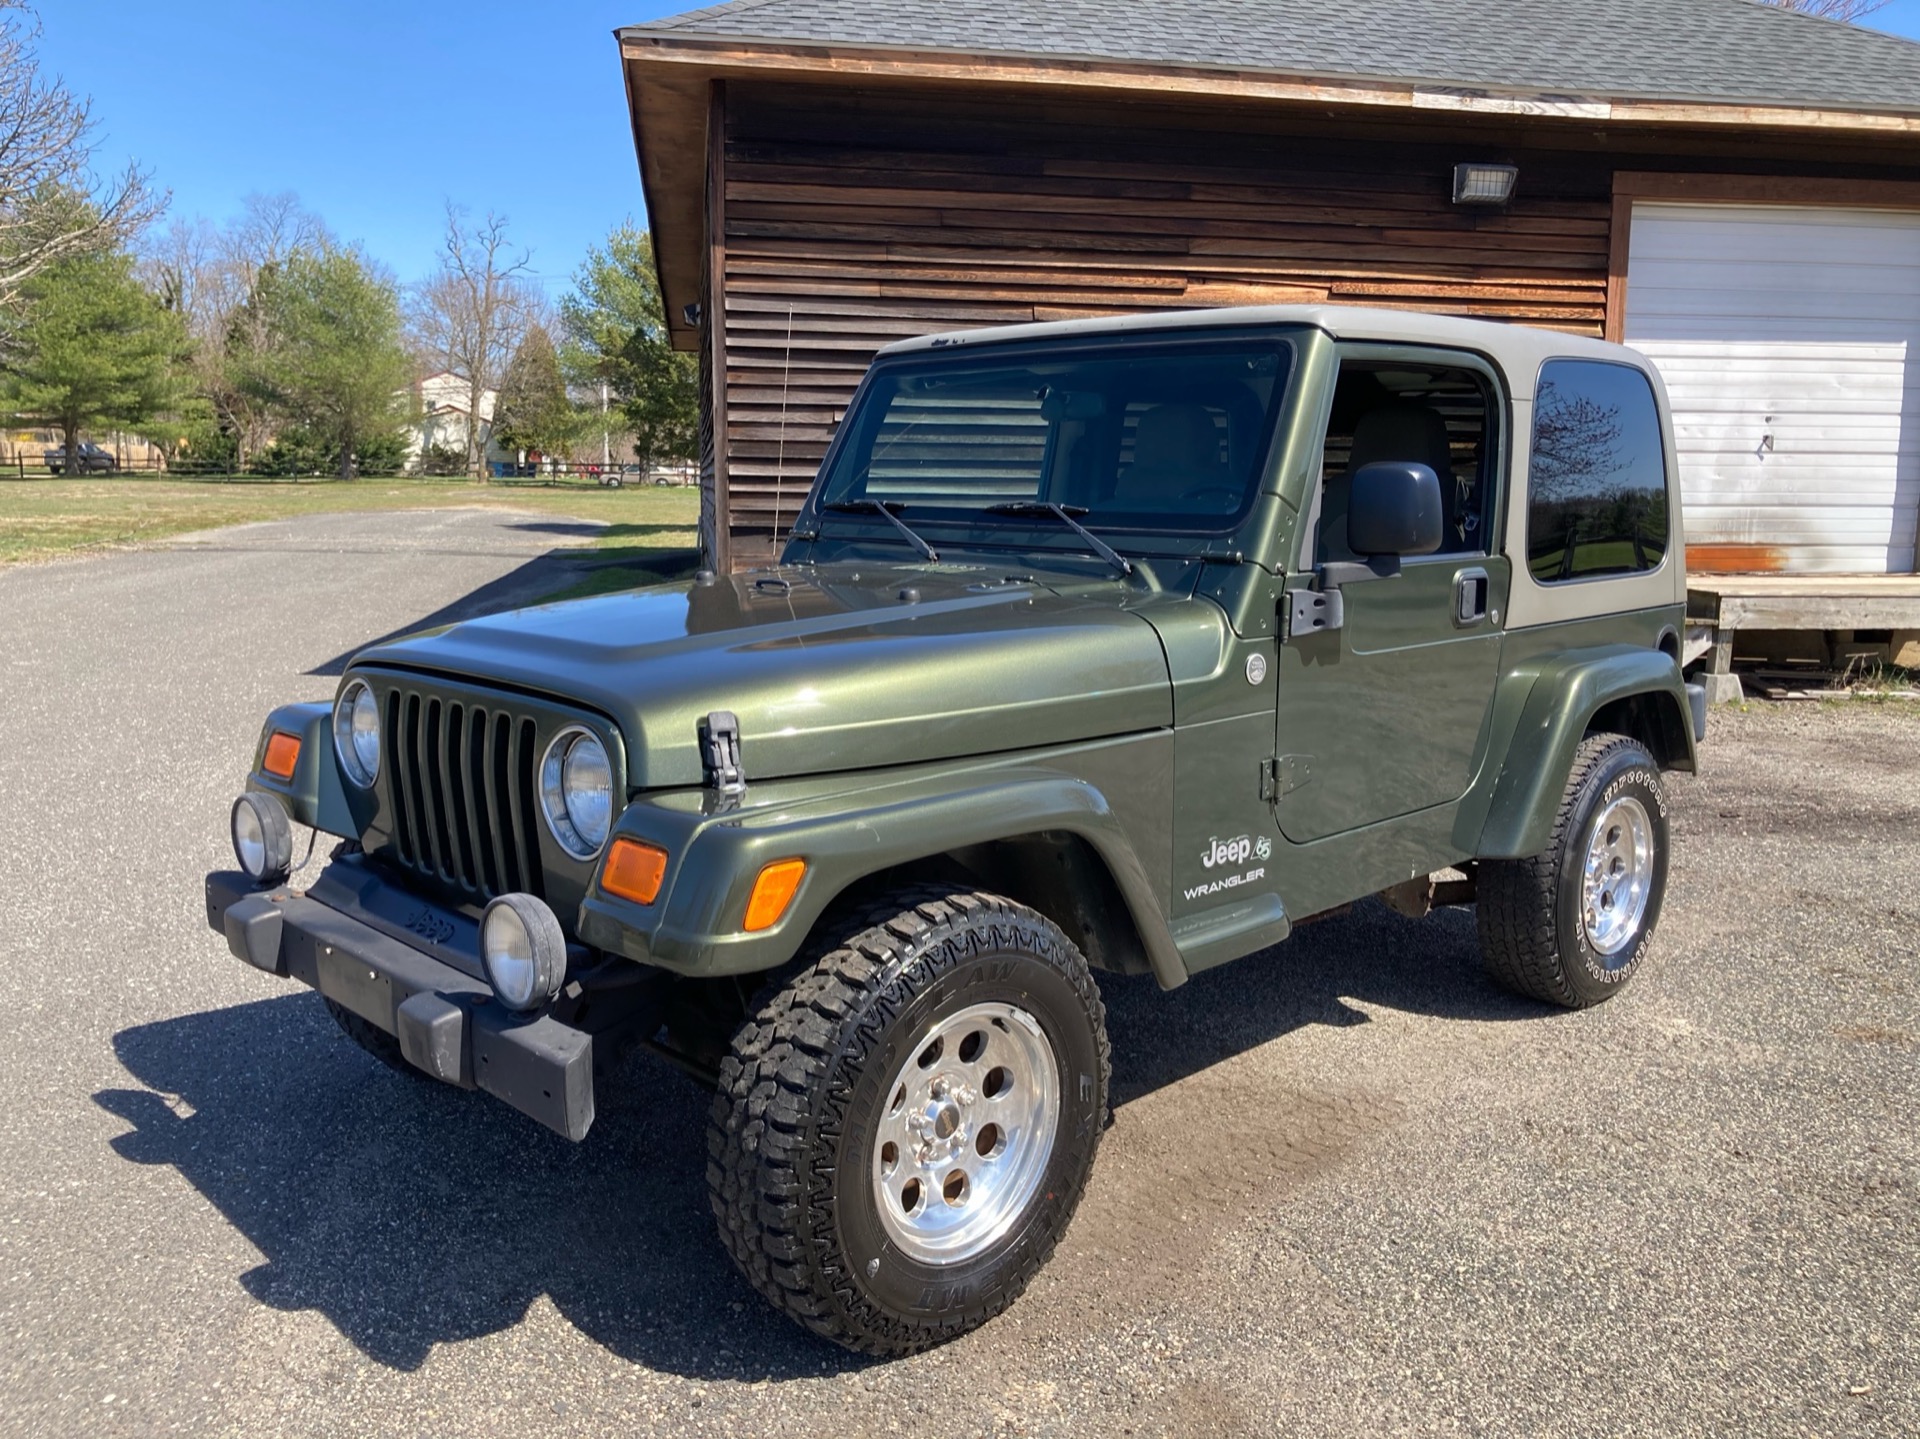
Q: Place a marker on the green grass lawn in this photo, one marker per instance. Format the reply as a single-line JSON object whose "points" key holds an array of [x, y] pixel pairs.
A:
{"points": [[46, 519]]}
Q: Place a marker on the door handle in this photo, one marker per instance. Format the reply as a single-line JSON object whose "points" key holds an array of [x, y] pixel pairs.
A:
{"points": [[1470, 592]]}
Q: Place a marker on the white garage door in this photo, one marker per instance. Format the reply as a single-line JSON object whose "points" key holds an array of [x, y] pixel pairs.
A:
{"points": [[1790, 342]]}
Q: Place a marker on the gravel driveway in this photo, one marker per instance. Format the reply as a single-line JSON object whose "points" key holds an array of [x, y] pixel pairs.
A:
{"points": [[1350, 1188]]}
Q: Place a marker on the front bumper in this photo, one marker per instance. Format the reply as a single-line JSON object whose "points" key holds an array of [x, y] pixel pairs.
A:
{"points": [[446, 1020]]}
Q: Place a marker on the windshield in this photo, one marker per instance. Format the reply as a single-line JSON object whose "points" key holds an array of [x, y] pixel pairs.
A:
{"points": [[1166, 433]]}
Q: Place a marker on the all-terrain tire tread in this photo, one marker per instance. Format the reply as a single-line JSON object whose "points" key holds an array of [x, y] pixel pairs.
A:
{"points": [[759, 1122], [1518, 899], [372, 1038]]}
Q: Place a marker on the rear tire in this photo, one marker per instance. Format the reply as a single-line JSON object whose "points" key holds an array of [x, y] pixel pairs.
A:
{"points": [[904, 1128], [1571, 925], [372, 1038]]}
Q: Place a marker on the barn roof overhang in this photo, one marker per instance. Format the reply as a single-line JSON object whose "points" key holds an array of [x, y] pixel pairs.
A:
{"points": [[668, 80]]}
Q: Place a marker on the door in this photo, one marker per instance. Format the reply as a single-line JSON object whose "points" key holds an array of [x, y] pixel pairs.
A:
{"points": [[1788, 338], [1386, 715]]}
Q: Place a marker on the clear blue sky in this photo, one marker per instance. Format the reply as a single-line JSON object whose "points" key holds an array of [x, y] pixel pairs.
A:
{"points": [[375, 112]]}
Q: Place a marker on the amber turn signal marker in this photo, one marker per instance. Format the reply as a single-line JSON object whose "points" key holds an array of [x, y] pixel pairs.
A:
{"points": [[283, 753], [773, 891], [634, 871]]}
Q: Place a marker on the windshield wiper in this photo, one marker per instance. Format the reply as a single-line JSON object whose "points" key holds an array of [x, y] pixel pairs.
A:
{"points": [[1065, 514], [886, 509]]}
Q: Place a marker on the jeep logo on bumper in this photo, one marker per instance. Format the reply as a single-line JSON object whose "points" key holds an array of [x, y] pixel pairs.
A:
{"points": [[431, 927]]}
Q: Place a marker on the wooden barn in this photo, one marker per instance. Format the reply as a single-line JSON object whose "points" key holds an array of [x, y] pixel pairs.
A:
{"points": [[1732, 187]]}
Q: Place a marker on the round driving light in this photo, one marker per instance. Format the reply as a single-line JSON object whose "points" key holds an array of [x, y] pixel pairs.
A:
{"points": [[576, 791], [356, 733], [523, 950], [263, 839]]}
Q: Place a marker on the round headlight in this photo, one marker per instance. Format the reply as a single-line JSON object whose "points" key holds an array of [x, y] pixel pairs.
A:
{"points": [[576, 792], [356, 733], [262, 838], [524, 952]]}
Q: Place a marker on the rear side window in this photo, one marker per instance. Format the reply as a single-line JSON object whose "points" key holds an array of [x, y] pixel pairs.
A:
{"points": [[1597, 480]]}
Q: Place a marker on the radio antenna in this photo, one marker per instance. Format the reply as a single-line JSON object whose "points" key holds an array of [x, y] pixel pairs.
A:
{"points": [[780, 454]]}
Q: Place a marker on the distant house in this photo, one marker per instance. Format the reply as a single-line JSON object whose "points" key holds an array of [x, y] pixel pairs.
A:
{"points": [[1732, 187], [440, 417]]}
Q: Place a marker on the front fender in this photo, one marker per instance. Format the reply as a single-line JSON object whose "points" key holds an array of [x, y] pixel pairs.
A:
{"points": [[315, 795], [714, 855], [1562, 695]]}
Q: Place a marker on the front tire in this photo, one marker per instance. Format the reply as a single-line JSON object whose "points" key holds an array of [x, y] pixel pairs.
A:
{"points": [[904, 1129], [1571, 926], [372, 1038]]}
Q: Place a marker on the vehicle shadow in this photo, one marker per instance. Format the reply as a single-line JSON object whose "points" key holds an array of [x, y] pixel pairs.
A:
{"points": [[411, 1214]]}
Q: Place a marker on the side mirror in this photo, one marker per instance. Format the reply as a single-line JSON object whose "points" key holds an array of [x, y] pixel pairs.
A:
{"points": [[1393, 508]]}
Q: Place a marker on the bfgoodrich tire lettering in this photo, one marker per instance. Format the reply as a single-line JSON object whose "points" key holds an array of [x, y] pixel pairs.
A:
{"points": [[1533, 934], [794, 1124]]}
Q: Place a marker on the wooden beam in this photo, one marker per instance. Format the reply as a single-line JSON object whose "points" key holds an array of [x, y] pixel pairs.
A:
{"points": [[1767, 190], [1619, 247], [715, 319], [669, 113]]}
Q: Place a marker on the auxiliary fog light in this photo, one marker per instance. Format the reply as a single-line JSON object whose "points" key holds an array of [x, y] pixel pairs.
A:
{"points": [[263, 839], [523, 950]]}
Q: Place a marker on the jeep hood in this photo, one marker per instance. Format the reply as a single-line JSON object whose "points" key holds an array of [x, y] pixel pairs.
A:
{"points": [[830, 667]]}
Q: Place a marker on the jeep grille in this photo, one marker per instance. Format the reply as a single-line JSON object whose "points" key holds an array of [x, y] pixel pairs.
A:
{"points": [[461, 782]]}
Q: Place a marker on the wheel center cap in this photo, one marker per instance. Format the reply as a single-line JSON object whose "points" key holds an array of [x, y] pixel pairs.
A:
{"points": [[941, 1123]]}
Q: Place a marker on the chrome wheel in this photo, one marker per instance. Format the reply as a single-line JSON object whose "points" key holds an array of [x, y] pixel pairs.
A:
{"points": [[965, 1133], [1619, 876]]}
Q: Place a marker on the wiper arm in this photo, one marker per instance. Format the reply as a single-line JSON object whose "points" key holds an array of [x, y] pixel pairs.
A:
{"points": [[886, 509], [1065, 514]]}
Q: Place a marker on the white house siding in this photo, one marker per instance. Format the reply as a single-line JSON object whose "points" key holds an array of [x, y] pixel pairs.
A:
{"points": [[1784, 335]]}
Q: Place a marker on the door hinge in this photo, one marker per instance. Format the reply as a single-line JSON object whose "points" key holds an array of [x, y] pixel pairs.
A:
{"points": [[1309, 612], [1281, 776]]}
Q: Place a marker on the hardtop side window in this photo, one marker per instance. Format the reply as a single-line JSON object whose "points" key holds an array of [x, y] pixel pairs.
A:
{"points": [[1597, 475], [1434, 414], [1162, 434]]}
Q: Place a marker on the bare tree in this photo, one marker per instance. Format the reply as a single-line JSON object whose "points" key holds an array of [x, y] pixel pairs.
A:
{"points": [[51, 203], [1848, 10], [210, 277], [470, 314]]}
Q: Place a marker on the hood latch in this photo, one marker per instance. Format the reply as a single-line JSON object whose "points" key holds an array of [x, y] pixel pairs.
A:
{"points": [[720, 752]]}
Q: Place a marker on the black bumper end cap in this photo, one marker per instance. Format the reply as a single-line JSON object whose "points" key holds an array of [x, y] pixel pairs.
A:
{"points": [[431, 1030], [253, 928], [543, 1068]]}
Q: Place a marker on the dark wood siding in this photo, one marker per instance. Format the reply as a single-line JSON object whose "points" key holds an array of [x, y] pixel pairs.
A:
{"points": [[853, 219]]}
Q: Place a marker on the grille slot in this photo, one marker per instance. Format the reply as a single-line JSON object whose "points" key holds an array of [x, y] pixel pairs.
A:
{"points": [[461, 786]]}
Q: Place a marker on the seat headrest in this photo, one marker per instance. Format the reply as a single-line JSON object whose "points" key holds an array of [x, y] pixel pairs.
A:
{"points": [[1403, 431], [1174, 445]]}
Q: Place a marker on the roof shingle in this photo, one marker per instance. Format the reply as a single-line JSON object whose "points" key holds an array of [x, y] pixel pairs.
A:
{"points": [[1716, 51]]}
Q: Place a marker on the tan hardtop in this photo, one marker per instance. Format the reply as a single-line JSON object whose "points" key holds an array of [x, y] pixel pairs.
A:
{"points": [[1519, 350]]}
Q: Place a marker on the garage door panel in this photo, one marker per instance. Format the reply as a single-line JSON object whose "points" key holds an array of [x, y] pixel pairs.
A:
{"points": [[1785, 336]]}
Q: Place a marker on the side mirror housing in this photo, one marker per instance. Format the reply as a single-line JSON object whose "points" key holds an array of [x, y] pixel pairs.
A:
{"points": [[1393, 508]]}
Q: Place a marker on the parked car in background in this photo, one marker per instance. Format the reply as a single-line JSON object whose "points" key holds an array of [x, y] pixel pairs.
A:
{"points": [[90, 460]]}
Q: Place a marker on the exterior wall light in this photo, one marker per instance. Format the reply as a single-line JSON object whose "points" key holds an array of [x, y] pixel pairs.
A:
{"points": [[1484, 184]]}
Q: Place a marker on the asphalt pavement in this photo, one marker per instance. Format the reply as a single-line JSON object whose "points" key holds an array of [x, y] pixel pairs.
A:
{"points": [[1350, 1188]]}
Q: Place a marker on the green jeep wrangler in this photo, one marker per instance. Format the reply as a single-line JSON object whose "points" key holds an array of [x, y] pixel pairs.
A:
{"points": [[1123, 645]]}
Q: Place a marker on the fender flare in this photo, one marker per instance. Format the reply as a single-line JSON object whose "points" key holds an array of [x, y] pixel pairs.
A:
{"points": [[316, 796], [714, 856], [1562, 695]]}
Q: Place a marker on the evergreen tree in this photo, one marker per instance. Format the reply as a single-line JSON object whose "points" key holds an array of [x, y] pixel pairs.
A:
{"points": [[93, 348], [333, 362], [533, 411], [616, 334]]}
